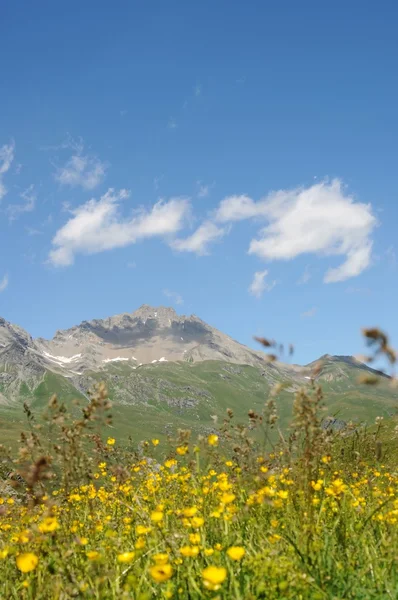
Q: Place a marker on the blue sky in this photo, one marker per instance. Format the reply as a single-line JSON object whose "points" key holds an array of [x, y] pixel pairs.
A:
{"points": [[235, 160]]}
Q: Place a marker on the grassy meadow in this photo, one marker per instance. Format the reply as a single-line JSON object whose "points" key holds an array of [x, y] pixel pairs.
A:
{"points": [[248, 512]]}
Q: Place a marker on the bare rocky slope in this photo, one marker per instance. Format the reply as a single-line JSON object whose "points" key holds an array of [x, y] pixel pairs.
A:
{"points": [[147, 335]]}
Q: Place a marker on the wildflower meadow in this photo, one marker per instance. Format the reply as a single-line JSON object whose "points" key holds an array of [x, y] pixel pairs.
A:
{"points": [[245, 512]]}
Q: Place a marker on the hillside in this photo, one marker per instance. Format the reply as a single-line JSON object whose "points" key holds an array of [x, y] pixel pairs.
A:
{"points": [[165, 371]]}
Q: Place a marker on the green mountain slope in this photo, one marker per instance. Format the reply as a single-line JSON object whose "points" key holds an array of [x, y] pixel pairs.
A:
{"points": [[157, 399]]}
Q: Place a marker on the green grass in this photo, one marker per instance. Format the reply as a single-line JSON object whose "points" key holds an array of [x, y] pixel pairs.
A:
{"points": [[152, 400]]}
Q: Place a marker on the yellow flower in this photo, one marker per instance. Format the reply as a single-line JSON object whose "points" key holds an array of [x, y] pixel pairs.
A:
{"points": [[27, 562], [162, 558], [111, 441], [274, 522], [213, 577], [155, 442], [23, 537], [227, 498], [194, 538], [208, 551], [3, 553], [336, 488], [181, 450], [317, 485], [49, 525], [161, 573], [191, 551], [82, 541], [142, 530], [93, 555], [197, 522], [236, 552], [283, 494], [326, 459], [212, 440], [156, 516], [190, 512], [126, 557], [140, 543]]}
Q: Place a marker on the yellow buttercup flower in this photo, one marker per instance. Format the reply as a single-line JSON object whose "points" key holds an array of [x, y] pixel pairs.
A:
{"points": [[82, 541], [126, 557], [336, 488], [190, 512], [155, 442], [49, 525], [142, 530], [227, 498], [27, 562], [93, 555], [140, 543], [161, 573], [213, 577], [190, 551], [111, 441], [236, 552], [156, 516], [181, 450], [212, 440], [162, 558], [197, 522]]}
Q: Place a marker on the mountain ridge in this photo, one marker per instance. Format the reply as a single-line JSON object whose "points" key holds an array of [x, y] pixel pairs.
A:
{"points": [[165, 371]]}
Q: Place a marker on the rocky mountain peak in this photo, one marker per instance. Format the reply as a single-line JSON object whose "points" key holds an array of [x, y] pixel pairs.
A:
{"points": [[10, 333]]}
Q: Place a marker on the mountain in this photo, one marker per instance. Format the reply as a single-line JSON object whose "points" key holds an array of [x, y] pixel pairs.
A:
{"points": [[165, 371], [146, 336]]}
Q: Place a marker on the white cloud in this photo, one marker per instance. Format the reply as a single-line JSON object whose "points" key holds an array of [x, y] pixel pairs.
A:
{"points": [[174, 296], [259, 285], [197, 90], [308, 314], [305, 277], [199, 241], [84, 170], [6, 158], [29, 197], [97, 226], [172, 124], [239, 208], [322, 219], [131, 265], [156, 182], [203, 189], [3, 283]]}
